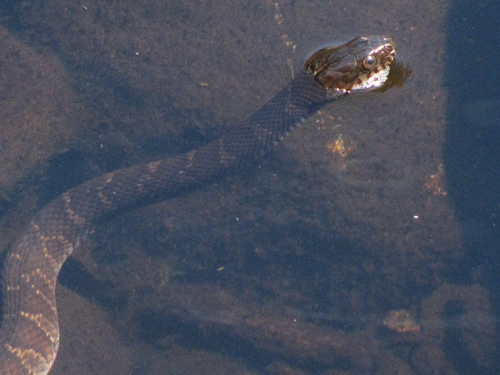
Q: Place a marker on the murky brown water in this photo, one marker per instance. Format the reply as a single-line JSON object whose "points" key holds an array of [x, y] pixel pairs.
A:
{"points": [[294, 264]]}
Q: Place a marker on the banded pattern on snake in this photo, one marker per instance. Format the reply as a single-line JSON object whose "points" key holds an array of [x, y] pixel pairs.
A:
{"points": [[29, 335]]}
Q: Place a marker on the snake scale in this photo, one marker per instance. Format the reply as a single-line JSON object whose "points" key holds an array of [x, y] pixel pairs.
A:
{"points": [[29, 335]]}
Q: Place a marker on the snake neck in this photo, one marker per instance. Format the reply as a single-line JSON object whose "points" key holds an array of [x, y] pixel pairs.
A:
{"points": [[167, 177]]}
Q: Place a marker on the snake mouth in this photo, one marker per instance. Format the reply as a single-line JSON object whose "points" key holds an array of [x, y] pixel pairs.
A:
{"points": [[361, 64]]}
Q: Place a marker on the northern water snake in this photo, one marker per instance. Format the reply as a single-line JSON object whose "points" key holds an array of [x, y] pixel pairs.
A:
{"points": [[29, 336]]}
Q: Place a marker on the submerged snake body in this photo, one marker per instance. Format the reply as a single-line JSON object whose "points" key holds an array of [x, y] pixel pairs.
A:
{"points": [[29, 335]]}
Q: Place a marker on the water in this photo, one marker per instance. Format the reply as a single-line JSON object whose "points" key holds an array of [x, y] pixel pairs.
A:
{"points": [[294, 263]]}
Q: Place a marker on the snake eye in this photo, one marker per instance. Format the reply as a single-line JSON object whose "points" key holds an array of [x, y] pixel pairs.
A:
{"points": [[369, 62]]}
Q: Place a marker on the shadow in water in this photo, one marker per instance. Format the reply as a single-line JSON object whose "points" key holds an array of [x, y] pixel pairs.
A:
{"points": [[472, 149]]}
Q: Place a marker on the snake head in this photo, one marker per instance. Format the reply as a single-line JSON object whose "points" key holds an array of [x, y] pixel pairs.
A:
{"points": [[361, 64]]}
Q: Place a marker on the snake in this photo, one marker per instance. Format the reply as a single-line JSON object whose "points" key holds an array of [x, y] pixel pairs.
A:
{"points": [[29, 334]]}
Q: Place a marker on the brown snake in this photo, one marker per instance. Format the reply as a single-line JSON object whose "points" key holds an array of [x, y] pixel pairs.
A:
{"points": [[29, 335]]}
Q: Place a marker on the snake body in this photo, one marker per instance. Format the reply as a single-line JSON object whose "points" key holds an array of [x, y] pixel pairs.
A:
{"points": [[29, 335]]}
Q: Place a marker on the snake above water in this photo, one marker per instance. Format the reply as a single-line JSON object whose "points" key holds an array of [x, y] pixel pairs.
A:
{"points": [[29, 335]]}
